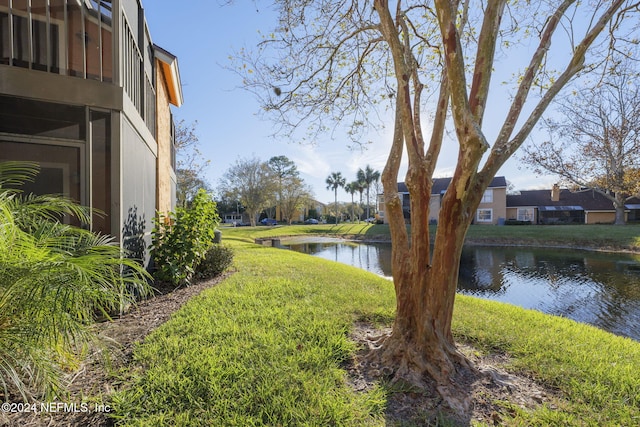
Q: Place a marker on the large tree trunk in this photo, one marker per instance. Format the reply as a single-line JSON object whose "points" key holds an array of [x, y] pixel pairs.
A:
{"points": [[619, 205], [421, 346]]}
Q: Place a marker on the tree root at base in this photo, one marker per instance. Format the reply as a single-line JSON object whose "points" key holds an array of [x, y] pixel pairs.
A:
{"points": [[476, 388]]}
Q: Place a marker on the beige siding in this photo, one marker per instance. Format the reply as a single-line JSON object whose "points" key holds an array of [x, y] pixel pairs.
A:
{"points": [[600, 217], [498, 206], [434, 207], [163, 136]]}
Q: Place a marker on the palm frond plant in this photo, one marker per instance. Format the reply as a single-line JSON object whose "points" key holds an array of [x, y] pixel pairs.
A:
{"points": [[54, 278]]}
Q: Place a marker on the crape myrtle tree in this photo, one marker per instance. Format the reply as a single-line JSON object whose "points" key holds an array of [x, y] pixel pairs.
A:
{"points": [[294, 196], [332, 62], [595, 140]]}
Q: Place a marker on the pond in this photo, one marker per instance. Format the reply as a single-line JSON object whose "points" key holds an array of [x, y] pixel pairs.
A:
{"points": [[601, 289]]}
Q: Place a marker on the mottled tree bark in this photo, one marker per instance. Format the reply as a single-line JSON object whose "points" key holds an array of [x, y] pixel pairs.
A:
{"points": [[421, 345]]}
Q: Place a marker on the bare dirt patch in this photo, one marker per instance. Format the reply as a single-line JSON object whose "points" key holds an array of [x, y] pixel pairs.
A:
{"points": [[495, 392], [93, 377]]}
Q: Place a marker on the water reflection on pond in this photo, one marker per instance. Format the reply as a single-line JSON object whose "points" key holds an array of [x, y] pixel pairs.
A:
{"points": [[596, 288]]}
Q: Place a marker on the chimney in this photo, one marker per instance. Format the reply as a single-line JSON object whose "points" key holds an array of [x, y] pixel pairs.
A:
{"points": [[555, 193]]}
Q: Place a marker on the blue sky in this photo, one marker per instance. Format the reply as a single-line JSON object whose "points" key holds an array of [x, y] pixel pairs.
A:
{"points": [[202, 34]]}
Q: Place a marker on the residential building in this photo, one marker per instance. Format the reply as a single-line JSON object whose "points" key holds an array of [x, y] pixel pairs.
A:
{"points": [[86, 94], [235, 218], [554, 206], [564, 206], [492, 208]]}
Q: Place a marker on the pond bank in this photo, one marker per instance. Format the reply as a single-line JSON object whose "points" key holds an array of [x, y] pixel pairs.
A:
{"points": [[603, 238], [598, 288]]}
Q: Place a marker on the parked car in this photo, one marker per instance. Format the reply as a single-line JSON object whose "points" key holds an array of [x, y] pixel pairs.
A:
{"points": [[311, 221], [268, 221]]}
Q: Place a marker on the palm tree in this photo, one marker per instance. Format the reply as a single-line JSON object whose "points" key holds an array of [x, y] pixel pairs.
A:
{"points": [[54, 278], [360, 187], [334, 181], [351, 188], [368, 176]]}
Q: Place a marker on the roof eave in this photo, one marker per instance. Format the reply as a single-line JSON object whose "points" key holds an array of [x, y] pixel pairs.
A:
{"points": [[169, 63]]}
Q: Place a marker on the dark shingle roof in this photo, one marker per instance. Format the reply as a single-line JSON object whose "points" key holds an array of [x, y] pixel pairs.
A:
{"points": [[440, 184], [588, 199]]}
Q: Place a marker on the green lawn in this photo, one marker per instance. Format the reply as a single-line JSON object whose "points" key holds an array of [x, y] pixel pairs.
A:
{"points": [[267, 346], [592, 236]]}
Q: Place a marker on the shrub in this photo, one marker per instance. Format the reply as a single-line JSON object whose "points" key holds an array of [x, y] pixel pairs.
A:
{"points": [[218, 259], [183, 238], [516, 222]]}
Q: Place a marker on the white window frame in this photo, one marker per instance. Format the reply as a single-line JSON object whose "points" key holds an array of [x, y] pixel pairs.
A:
{"points": [[482, 218], [487, 196], [525, 214]]}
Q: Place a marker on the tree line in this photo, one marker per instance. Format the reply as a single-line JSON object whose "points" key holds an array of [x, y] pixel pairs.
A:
{"points": [[273, 187]]}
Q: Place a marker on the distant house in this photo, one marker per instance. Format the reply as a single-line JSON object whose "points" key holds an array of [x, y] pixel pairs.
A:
{"points": [[563, 206], [235, 218], [492, 208], [86, 94]]}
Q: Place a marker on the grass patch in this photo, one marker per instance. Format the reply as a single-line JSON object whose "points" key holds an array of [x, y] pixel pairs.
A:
{"points": [[263, 348], [248, 234], [591, 236], [268, 346], [595, 371]]}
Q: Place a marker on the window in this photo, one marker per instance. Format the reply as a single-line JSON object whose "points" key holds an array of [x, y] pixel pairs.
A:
{"points": [[21, 52], [40, 60], [101, 170], [77, 40], [57, 36], [487, 197], [60, 167], [484, 215], [28, 117], [525, 214], [173, 142], [107, 41], [92, 36], [5, 39]]}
